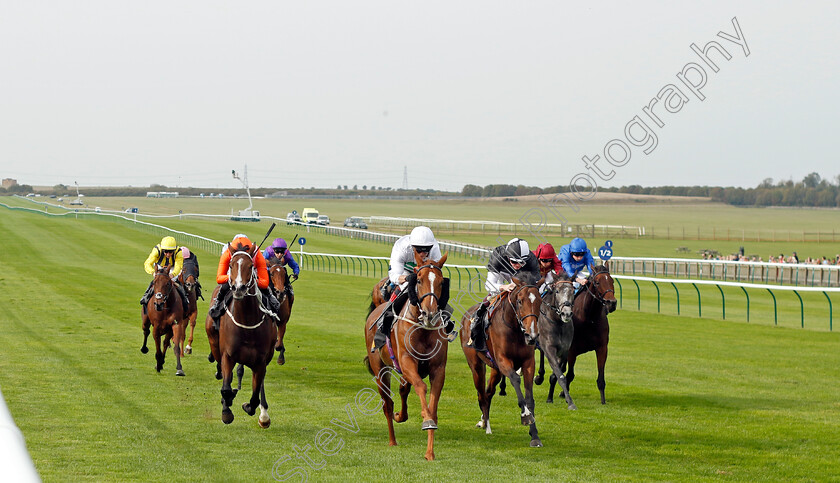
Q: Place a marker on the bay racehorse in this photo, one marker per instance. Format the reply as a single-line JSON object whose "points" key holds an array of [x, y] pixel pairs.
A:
{"points": [[279, 282], [188, 278], [164, 313], [377, 297], [246, 335], [557, 331], [510, 342], [416, 349], [593, 302]]}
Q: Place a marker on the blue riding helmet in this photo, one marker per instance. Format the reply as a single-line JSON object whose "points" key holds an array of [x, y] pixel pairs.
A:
{"points": [[578, 245]]}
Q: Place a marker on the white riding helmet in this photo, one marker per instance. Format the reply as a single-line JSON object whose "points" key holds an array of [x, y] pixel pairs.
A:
{"points": [[422, 236]]}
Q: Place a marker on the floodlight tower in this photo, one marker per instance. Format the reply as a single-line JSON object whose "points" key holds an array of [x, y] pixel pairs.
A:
{"points": [[245, 184]]}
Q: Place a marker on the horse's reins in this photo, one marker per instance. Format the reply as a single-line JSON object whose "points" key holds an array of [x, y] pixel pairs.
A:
{"points": [[248, 286], [519, 319], [598, 297]]}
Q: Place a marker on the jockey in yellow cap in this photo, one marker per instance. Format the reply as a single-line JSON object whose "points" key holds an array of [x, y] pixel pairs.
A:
{"points": [[165, 254]]}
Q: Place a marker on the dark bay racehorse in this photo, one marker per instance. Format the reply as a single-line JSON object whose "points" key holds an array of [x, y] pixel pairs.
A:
{"points": [[189, 280], [165, 314], [246, 335], [592, 330], [377, 298], [511, 337], [279, 282], [417, 348], [557, 330]]}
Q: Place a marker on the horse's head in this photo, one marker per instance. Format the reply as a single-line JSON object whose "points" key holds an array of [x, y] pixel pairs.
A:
{"points": [[561, 296], [162, 286], [429, 289], [242, 274], [277, 276], [602, 287], [525, 300]]}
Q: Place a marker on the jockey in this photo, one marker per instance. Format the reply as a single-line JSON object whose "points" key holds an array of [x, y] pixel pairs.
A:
{"points": [[165, 254], [191, 259], [574, 258], [550, 265], [401, 274], [222, 278], [278, 252], [513, 259]]}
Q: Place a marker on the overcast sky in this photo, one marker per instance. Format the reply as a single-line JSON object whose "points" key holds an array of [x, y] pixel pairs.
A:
{"points": [[327, 93]]}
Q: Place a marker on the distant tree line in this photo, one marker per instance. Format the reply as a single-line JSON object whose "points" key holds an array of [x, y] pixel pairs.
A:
{"points": [[813, 190]]}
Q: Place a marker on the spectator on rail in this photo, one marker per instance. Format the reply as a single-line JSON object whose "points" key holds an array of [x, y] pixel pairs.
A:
{"points": [[513, 259], [241, 242], [279, 252], [165, 254], [421, 241]]}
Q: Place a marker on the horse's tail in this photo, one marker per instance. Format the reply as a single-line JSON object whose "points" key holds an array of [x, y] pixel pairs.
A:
{"points": [[367, 364]]}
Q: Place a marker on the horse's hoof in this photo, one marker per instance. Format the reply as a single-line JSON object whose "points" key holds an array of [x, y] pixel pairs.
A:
{"points": [[429, 424], [502, 392], [480, 423], [248, 409], [144, 350], [227, 416], [179, 372], [430, 457], [572, 407], [550, 401], [187, 350], [264, 424], [218, 375], [281, 359], [536, 443], [538, 379], [210, 357], [235, 390], [158, 368]]}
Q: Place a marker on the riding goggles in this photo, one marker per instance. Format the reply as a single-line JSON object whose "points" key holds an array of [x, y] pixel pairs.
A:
{"points": [[545, 260], [578, 254], [423, 249], [279, 250], [518, 261]]}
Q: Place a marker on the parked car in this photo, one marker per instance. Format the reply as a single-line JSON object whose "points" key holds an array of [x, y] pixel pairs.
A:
{"points": [[131, 210], [292, 218], [323, 220], [355, 222]]}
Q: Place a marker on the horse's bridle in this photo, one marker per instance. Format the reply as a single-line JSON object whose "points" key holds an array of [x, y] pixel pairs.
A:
{"points": [[251, 281], [597, 296], [164, 298], [281, 295], [423, 317], [520, 320], [558, 308]]}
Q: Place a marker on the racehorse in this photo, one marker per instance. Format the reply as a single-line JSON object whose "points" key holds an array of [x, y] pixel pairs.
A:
{"points": [[417, 348], [510, 342], [557, 331], [592, 330], [189, 280], [376, 296], [165, 313], [246, 335], [279, 281]]}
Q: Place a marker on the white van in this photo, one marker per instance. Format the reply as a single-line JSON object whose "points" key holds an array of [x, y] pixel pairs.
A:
{"points": [[310, 215]]}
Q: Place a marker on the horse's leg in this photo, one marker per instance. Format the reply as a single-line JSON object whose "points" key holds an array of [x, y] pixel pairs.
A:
{"points": [[158, 353], [167, 341], [601, 354], [192, 318], [145, 324], [502, 387], [493, 380], [436, 379], [479, 370], [405, 390], [409, 369], [257, 377], [555, 361], [227, 393], [280, 348], [528, 375], [541, 373], [240, 372], [552, 381], [180, 335], [213, 340], [570, 373], [264, 419], [383, 384]]}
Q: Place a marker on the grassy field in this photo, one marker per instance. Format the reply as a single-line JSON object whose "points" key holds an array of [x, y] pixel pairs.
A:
{"points": [[688, 398]]}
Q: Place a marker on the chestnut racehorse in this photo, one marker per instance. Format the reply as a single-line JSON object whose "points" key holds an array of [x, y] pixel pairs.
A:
{"points": [[376, 297], [417, 348], [246, 335], [510, 342], [279, 281], [165, 314]]}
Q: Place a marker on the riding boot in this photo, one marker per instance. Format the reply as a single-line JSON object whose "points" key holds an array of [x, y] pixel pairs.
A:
{"points": [[386, 319], [184, 299], [144, 301], [198, 291], [218, 307], [477, 335]]}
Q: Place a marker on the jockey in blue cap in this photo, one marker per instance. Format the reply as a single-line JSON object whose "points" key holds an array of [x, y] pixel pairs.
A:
{"points": [[575, 257]]}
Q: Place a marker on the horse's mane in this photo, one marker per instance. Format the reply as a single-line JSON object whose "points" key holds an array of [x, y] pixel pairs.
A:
{"points": [[274, 261], [600, 268], [528, 278]]}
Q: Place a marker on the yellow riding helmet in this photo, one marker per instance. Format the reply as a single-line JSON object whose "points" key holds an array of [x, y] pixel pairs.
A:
{"points": [[168, 243]]}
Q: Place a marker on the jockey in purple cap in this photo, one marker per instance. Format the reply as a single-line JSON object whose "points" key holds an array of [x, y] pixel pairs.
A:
{"points": [[279, 252]]}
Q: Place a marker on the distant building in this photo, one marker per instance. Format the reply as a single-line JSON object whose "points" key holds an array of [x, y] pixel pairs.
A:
{"points": [[161, 194], [9, 182]]}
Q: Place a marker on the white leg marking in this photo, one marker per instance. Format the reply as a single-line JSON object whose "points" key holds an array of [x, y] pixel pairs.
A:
{"points": [[488, 431], [527, 412], [263, 414], [480, 423]]}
